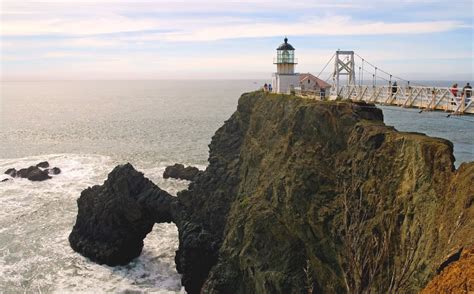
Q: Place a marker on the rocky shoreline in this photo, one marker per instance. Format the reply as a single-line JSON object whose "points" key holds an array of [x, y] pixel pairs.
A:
{"points": [[299, 195]]}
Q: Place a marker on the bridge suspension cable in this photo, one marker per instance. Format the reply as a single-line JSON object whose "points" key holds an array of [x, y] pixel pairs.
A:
{"points": [[377, 69], [362, 79], [332, 57], [426, 98], [375, 75]]}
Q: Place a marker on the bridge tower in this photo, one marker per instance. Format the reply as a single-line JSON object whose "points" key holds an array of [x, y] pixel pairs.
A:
{"points": [[343, 66]]}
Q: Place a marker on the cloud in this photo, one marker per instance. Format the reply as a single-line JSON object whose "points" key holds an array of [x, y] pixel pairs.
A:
{"points": [[198, 21], [77, 26], [160, 38], [331, 26], [311, 60], [61, 6], [218, 28]]}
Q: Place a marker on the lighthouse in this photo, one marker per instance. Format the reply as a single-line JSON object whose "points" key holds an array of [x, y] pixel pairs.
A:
{"points": [[285, 79]]}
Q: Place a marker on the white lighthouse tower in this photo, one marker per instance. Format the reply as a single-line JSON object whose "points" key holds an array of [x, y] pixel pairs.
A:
{"points": [[285, 79]]}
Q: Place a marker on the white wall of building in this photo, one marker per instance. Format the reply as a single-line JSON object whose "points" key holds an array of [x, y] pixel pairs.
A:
{"points": [[283, 83], [285, 68], [309, 84]]}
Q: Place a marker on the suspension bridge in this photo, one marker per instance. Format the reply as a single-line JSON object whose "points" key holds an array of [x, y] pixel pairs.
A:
{"points": [[355, 78]]}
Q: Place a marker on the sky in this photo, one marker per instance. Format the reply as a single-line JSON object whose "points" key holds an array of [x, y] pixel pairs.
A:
{"points": [[124, 39]]}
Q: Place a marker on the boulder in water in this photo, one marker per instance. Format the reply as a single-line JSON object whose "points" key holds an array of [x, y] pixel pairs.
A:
{"points": [[40, 172], [11, 172], [33, 173], [54, 171], [38, 175], [179, 171], [43, 164]]}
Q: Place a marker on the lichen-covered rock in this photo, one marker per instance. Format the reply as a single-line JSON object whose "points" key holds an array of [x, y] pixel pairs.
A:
{"points": [[114, 218], [179, 171]]}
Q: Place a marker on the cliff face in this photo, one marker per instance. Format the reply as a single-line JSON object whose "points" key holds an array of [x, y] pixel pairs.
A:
{"points": [[302, 195], [328, 188]]}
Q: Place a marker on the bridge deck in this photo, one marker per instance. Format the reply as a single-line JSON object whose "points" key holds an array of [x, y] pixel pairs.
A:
{"points": [[428, 98]]}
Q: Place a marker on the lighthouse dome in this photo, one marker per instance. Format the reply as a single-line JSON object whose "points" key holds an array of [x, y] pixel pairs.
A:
{"points": [[286, 46]]}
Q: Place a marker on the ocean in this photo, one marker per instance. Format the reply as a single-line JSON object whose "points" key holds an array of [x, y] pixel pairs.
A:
{"points": [[88, 127]]}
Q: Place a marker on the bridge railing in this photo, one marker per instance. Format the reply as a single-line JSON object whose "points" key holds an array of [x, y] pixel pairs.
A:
{"points": [[310, 93], [429, 98]]}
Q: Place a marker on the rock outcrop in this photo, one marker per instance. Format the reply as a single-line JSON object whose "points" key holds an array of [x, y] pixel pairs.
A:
{"points": [[299, 195], [179, 171], [11, 172], [54, 171], [113, 219], [39, 172], [43, 164], [33, 173]]}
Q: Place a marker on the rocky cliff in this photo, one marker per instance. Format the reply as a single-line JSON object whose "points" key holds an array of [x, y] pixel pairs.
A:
{"points": [[299, 196]]}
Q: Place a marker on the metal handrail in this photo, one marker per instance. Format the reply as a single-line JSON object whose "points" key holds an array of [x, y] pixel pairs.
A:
{"points": [[429, 98]]}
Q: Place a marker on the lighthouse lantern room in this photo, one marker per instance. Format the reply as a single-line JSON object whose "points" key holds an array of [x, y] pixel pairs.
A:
{"points": [[285, 79]]}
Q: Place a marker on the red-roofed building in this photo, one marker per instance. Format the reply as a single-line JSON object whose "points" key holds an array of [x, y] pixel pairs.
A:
{"points": [[310, 83]]}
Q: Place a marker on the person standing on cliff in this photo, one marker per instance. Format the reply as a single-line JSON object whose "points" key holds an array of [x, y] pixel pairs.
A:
{"points": [[265, 87], [394, 88], [454, 90], [467, 90]]}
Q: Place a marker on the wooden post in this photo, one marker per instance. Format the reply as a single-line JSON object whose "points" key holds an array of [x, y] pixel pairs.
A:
{"points": [[389, 100], [448, 104], [433, 99], [409, 95]]}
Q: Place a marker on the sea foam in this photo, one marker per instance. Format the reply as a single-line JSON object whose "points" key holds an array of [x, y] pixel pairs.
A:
{"points": [[36, 219]]}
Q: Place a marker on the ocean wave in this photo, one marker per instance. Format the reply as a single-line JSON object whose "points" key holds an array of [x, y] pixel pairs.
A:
{"points": [[37, 217]]}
